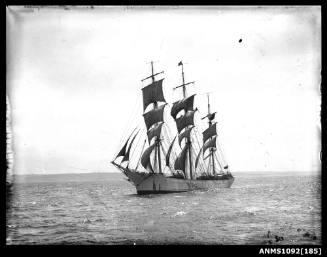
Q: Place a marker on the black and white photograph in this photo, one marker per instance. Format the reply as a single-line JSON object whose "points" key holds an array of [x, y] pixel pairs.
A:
{"points": [[163, 125]]}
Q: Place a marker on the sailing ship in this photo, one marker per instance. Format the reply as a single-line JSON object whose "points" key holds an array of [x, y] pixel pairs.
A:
{"points": [[168, 166]]}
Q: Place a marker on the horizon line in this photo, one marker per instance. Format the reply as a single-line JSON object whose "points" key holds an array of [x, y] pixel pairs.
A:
{"points": [[117, 172]]}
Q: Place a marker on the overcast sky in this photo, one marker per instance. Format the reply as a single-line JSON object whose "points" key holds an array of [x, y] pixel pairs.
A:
{"points": [[74, 79]]}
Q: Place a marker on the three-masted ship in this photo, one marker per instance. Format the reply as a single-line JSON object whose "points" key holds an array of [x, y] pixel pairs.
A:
{"points": [[168, 165]]}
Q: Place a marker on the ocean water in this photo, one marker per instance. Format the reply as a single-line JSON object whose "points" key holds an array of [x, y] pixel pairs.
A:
{"points": [[105, 209]]}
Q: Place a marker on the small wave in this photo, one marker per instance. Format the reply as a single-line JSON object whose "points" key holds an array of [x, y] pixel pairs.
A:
{"points": [[99, 220], [86, 220], [179, 213], [53, 205], [252, 210]]}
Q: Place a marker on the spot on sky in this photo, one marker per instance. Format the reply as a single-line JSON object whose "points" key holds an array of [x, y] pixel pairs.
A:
{"points": [[240, 40]]}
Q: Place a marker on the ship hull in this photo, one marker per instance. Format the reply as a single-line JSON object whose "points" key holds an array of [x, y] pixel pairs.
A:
{"points": [[160, 184]]}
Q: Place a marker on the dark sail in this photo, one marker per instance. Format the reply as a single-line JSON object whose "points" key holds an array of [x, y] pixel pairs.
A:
{"points": [[154, 132], [126, 157], [185, 120], [169, 151], [184, 104], [189, 163], [209, 144], [153, 93], [209, 132], [154, 116], [122, 152], [186, 134], [145, 160], [180, 161]]}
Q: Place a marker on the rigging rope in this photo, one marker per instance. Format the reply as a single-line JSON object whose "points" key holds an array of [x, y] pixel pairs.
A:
{"points": [[140, 156], [222, 154], [136, 144], [221, 169], [127, 127], [201, 163]]}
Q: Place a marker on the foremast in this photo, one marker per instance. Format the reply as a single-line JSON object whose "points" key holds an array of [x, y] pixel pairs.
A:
{"points": [[153, 94]]}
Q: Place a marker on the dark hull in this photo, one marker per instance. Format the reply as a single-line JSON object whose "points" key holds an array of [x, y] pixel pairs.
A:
{"points": [[156, 183], [150, 192]]}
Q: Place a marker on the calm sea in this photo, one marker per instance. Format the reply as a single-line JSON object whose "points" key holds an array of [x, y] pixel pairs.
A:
{"points": [[104, 209]]}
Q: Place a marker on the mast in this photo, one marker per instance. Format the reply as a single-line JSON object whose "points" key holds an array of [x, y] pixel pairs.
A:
{"points": [[159, 156], [213, 161], [155, 106], [190, 158], [184, 88], [152, 94], [152, 74], [184, 121], [209, 139], [209, 108], [211, 150], [183, 79], [138, 163], [152, 71]]}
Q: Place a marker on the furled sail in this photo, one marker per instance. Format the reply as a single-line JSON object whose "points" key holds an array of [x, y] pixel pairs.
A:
{"points": [[145, 159], [126, 157], [209, 144], [180, 161], [209, 132], [184, 104], [169, 151], [154, 116], [186, 134], [155, 132], [210, 116], [185, 120], [153, 93]]}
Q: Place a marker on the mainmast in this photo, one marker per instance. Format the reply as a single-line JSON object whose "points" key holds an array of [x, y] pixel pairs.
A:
{"points": [[208, 108], [152, 94], [183, 79], [210, 118], [185, 122]]}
